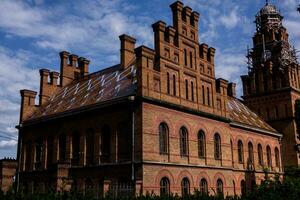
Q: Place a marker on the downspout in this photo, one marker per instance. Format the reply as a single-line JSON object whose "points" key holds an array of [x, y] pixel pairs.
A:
{"points": [[132, 98], [19, 157]]}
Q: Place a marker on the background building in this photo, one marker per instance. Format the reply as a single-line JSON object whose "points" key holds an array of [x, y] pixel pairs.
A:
{"points": [[272, 86], [159, 121]]}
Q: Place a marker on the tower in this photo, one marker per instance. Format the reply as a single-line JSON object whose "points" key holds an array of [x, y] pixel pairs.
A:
{"points": [[272, 86]]}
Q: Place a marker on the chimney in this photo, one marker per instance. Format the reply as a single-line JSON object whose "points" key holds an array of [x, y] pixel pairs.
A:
{"points": [[159, 29], [187, 12], [211, 55], [27, 103], [231, 90], [177, 8], [83, 65], [203, 51], [44, 84], [53, 78], [127, 50], [68, 67]]}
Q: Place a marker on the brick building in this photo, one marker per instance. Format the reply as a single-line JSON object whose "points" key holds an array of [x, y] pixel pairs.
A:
{"points": [[8, 168], [159, 121]]}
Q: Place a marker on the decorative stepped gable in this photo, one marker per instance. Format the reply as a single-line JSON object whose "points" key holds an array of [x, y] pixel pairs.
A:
{"points": [[147, 73]]}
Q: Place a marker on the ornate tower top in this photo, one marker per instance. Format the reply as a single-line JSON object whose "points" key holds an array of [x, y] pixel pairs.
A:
{"points": [[268, 17], [272, 61]]}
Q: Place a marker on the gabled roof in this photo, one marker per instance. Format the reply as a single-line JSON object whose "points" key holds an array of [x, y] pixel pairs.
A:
{"points": [[96, 88], [116, 82]]}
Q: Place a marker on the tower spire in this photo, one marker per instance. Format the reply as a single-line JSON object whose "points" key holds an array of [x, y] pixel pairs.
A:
{"points": [[267, 2]]}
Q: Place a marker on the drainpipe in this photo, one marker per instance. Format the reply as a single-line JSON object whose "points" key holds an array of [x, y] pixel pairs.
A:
{"points": [[19, 157], [132, 98]]}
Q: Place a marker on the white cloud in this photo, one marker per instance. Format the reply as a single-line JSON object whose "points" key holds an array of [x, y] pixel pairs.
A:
{"points": [[8, 144], [232, 20]]}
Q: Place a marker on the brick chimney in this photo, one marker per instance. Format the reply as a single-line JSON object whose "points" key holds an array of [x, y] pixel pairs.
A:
{"points": [[231, 89], [83, 65], [68, 67], [48, 85], [127, 50], [27, 103]]}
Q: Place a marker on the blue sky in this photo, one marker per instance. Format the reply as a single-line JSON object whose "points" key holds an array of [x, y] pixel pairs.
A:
{"points": [[33, 32]]}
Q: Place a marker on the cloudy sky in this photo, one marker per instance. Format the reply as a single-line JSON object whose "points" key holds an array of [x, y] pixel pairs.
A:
{"points": [[33, 32]]}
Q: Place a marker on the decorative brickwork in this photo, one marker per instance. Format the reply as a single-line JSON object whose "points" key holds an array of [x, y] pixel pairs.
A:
{"points": [[103, 132]]}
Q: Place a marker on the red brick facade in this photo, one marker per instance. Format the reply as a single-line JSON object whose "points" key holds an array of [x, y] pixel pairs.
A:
{"points": [[159, 121]]}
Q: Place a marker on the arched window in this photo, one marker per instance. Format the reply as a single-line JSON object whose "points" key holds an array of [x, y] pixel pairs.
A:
{"points": [[105, 143], [168, 83], [50, 150], [208, 96], [217, 144], [163, 138], [185, 57], [219, 187], [164, 187], [231, 148], [201, 144], [277, 160], [269, 158], [62, 147], [191, 59], [203, 186], [240, 152], [174, 84], [89, 186], [90, 146], [243, 187], [186, 89], [183, 142], [185, 187], [28, 150], [250, 153], [203, 95], [38, 150], [192, 90], [75, 148], [260, 155]]}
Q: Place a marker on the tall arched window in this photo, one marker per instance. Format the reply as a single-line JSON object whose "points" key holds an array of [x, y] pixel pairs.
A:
{"points": [[217, 144], [28, 158], [105, 143], [203, 186], [260, 155], [219, 187], [201, 144], [49, 150], [38, 150], [168, 83], [174, 84], [192, 90], [163, 138], [185, 57], [208, 96], [203, 95], [250, 153], [183, 142], [164, 187], [90, 146], [186, 89], [62, 147], [231, 149], [191, 59], [269, 158], [240, 152], [277, 160], [185, 187], [243, 187], [75, 148]]}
